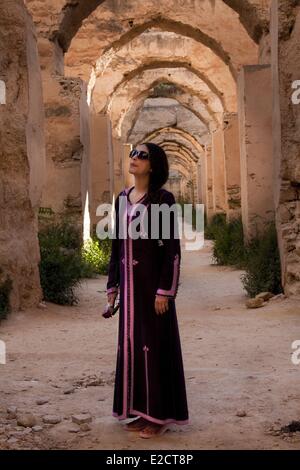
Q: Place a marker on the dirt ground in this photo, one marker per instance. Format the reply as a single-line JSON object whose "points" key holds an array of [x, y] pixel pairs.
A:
{"points": [[237, 362]]}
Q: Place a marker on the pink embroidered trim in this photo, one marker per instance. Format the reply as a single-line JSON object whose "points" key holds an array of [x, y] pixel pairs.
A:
{"points": [[146, 349], [138, 201], [125, 368], [173, 289], [150, 418], [125, 377], [131, 313]]}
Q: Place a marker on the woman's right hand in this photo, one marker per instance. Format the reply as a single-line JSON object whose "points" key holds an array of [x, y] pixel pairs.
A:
{"points": [[111, 298]]}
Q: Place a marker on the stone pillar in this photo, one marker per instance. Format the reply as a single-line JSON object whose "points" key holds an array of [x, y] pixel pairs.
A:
{"points": [[22, 156], [232, 165], [200, 170], [218, 172], [203, 182], [85, 183], [128, 178], [63, 146], [118, 158], [285, 18], [194, 182], [64, 150], [209, 207], [100, 163], [255, 127]]}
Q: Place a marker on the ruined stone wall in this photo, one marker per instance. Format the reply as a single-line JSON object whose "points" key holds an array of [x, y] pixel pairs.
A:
{"points": [[62, 193], [285, 31], [21, 154]]}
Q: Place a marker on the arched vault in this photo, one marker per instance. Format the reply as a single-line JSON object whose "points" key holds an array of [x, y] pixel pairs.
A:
{"points": [[248, 20], [162, 112], [137, 110], [181, 76], [166, 132], [128, 99], [156, 50], [174, 141]]}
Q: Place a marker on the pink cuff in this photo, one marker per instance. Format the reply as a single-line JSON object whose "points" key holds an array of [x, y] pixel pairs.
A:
{"points": [[112, 289], [160, 292]]}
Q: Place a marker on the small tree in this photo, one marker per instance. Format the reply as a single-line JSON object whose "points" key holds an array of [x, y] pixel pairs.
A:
{"points": [[61, 263], [263, 269]]}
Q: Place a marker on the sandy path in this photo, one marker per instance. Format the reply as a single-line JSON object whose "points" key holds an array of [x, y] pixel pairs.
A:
{"points": [[235, 360]]}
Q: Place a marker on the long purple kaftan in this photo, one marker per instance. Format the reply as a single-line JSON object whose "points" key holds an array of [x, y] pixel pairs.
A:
{"points": [[149, 378]]}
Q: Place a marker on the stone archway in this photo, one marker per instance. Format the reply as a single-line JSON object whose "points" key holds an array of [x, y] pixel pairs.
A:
{"points": [[251, 14], [243, 53]]}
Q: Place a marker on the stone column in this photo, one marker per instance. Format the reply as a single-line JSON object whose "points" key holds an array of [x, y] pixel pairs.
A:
{"points": [[100, 161], [118, 158], [285, 49], [22, 156], [232, 165], [218, 172], [203, 183], [200, 169], [209, 207], [128, 178], [64, 150], [85, 183], [195, 182], [255, 126]]}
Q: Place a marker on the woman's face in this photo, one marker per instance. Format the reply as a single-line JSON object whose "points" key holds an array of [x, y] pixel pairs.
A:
{"points": [[137, 166]]}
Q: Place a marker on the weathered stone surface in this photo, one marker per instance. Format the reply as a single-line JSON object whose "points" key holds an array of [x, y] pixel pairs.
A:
{"points": [[285, 30], [254, 303], [51, 419], [69, 390], [85, 427], [264, 295], [37, 428], [12, 410], [138, 50], [115, 22], [73, 428], [82, 418], [63, 147], [42, 401], [26, 420], [21, 159]]}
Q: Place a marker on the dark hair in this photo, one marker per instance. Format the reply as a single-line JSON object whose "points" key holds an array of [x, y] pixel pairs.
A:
{"points": [[160, 169]]}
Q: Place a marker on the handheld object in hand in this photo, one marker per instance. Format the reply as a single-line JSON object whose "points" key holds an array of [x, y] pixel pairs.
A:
{"points": [[110, 310]]}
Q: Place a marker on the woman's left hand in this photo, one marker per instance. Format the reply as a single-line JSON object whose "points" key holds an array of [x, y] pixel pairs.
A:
{"points": [[161, 304]]}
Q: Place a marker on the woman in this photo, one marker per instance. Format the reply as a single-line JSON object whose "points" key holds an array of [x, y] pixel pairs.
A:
{"points": [[149, 380]]}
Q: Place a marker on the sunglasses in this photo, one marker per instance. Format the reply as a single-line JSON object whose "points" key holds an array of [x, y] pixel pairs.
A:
{"points": [[140, 154]]}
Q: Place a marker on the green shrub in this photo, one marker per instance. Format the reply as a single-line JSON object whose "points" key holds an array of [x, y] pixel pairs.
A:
{"points": [[62, 234], [218, 221], [61, 263], [5, 289], [96, 255], [229, 242], [263, 270], [259, 258]]}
